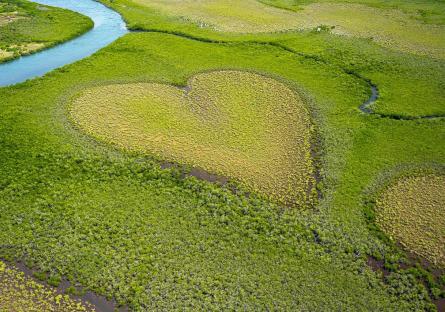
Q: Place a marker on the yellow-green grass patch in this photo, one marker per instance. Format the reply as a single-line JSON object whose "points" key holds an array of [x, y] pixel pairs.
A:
{"points": [[9, 17], [28, 48], [20, 293], [412, 212], [243, 125], [391, 28], [21, 49], [247, 16], [5, 54]]}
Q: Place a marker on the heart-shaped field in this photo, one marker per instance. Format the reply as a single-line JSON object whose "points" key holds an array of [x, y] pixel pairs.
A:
{"points": [[243, 125]]}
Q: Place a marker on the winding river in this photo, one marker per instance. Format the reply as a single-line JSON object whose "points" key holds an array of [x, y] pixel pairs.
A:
{"points": [[108, 26]]}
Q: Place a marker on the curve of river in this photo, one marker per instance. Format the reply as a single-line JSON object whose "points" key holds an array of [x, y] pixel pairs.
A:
{"points": [[108, 26]]}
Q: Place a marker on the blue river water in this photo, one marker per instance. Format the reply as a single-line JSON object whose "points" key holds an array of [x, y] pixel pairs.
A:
{"points": [[108, 26]]}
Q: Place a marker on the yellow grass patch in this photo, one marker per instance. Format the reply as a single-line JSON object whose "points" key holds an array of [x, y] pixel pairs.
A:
{"points": [[390, 28], [238, 124], [9, 17], [5, 54], [31, 47], [412, 211], [22, 49], [247, 16]]}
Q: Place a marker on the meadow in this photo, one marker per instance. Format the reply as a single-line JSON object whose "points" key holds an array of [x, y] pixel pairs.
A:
{"points": [[27, 27], [85, 193]]}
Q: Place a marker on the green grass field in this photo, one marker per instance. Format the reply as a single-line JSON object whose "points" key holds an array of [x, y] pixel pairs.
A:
{"points": [[83, 193], [26, 27]]}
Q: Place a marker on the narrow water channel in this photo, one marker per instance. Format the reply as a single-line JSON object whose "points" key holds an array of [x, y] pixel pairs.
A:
{"points": [[108, 26]]}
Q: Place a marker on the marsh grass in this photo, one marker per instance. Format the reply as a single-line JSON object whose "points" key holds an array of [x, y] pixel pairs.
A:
{"points": [[109, 219], [237, 124], [390, 28], [120, 225], [410, 85]]}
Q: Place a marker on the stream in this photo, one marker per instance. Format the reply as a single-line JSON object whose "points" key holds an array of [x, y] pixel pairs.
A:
{"points": [[108, 26]]}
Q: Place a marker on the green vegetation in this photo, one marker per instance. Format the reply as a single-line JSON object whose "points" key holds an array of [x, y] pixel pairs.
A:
{"points": [[391, 28], [236, 124], [27, 27], [21, 293], [109, 220], [409, 85], [157, 239], [412, 212], [428, 11]]}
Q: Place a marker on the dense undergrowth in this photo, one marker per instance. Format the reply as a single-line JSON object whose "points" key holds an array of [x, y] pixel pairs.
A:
{"points": [[27, 27], [123, 227]]}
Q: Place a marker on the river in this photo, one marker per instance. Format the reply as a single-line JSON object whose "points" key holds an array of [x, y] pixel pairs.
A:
{"points": [[108, 26]]}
